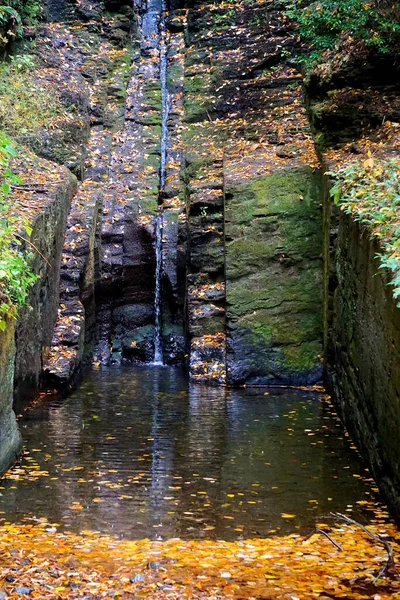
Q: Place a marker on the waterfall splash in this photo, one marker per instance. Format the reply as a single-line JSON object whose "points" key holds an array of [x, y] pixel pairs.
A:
{"points": [[158, 355]]}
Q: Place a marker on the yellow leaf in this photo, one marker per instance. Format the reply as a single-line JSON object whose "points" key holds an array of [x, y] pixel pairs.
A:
{"points": [[369, 163]]}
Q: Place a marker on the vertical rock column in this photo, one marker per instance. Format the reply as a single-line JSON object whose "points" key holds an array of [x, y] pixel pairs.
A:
{"points": [[172, 199], [131, 200], [76, 314], [257, 213], [205, 210]]}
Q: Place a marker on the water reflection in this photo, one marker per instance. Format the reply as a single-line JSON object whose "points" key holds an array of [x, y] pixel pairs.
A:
{"points": [[136, 452]]}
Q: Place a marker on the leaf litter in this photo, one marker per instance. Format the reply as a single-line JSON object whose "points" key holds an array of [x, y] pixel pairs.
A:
{"points": [[52, 564]]}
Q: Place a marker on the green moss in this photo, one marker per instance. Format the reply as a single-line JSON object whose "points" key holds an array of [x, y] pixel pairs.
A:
{"points": [[121, 64], [152, 96], [174, 74], [197, 108], [152, 160], [194, 58], [137, 336], [273, 267], [302, 358]]}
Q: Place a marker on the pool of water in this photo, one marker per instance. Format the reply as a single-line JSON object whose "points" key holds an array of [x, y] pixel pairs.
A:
{"points": [[138, 452]]}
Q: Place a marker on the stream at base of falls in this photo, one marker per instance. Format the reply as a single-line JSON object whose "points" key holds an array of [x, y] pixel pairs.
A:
{"points": [[137, 452]]}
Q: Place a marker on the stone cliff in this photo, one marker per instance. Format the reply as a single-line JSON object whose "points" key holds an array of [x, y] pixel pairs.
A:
{"points": [[202, 214]]}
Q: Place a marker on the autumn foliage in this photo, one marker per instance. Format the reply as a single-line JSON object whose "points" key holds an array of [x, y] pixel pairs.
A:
{"points": [[39, 562]]}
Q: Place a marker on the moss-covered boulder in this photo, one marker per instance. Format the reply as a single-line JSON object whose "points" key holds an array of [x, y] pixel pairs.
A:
{"points": [[274, 278]]}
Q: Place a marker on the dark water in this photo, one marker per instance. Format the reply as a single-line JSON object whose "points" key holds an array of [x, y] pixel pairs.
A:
{"points": [[138, 453]]}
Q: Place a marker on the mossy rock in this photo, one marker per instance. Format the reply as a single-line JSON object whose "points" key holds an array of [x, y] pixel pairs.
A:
{"points": [[274, 277]]}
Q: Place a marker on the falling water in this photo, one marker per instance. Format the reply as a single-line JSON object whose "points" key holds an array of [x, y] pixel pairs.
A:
{"points": [[164, 95], [158, 358]]}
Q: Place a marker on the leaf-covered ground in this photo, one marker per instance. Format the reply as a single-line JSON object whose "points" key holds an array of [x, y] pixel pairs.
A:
{"points": [[40, 562]]}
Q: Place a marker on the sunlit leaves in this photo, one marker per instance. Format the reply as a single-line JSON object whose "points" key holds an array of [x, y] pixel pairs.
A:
{"points": [[370, 191], [16, 276], [64, 565]]}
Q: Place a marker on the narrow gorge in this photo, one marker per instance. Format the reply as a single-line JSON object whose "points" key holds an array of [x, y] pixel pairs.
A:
{"points": [[191, 265]]}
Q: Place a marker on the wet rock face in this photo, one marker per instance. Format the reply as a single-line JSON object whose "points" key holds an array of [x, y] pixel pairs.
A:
{"points": [[10, 437], [274, 279], [240, 275], [363, 351], [126, 290], [132, 316], [254, 227], [36, 323]]}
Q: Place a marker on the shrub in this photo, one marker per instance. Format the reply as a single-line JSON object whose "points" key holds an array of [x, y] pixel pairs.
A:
{"points": [[26, 105], [375, 22], [15, 274], [370, 191]]}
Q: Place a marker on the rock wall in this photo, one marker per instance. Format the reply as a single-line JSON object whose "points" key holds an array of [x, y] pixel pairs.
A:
{"points": [[354, 111], [49, 206], [363, 350], [254, 299], [10, 437], [73, 339], [274, 279], [44, 197], [133, 198], [239, 208]]}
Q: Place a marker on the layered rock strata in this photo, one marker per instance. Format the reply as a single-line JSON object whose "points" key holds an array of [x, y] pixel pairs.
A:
{"points": [[108, 266], [134, 198], [43, 197], [355, 111], [255, 266]]}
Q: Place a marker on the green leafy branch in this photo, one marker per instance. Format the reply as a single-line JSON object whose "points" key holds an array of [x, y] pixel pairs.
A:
{"points": [[370, 191], [16, 276], [323, 22], [10, 19]]}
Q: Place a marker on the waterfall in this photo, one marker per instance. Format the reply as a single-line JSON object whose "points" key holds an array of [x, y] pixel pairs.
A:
{"points": [[158, 356], [164, 95]]}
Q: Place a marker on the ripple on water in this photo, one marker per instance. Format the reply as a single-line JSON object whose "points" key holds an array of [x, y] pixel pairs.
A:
{"points": [[137, 452]]}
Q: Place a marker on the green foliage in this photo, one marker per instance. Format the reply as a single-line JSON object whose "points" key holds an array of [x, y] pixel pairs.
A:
{"points": [[6, 12], [322, 22], [25, 11], [22, 62], [15, 274], [15, 13], [10, 23], [26, 105], [370, 191], [31, 10]]}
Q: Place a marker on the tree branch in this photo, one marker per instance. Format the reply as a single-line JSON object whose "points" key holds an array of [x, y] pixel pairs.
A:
{"points": [[33, 246], [322, 532], [377, 538]]}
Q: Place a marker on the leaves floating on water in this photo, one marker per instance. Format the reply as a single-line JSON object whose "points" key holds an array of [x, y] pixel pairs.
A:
{"points": [[64, 565]]}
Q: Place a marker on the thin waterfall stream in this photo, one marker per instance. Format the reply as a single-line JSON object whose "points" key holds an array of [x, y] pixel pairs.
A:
{"points": [[158, 354], [164, 95]]}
